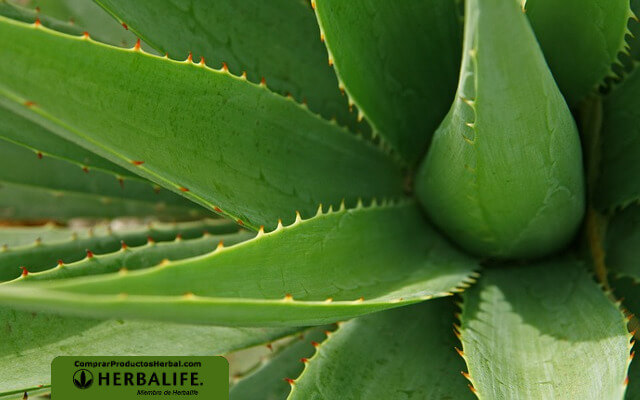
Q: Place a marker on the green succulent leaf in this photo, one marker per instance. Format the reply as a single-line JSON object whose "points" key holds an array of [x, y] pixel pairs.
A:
{"points": [[241, 150], [622, 243], [503, 176], [277, 40], [619, 181], [144, 256], [87, 17], [19, 13], [580, 40], [398, 62], [269, 380], [403, 353], [28, 203], [306, 273], [19, 130], [22, 235], [23, 166], [31, 340], [34, 393], [41, 256], [545, 331], [628, 291]]}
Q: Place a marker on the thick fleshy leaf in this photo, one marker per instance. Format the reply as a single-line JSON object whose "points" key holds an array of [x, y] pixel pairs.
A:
{"points": [[35, 393], [28, 203], [277, 40], [580, 40], [504, 174], [19, 13], [19, 130], [543, 331], [30, 341], [307, 273], [132, 258], [269, 380], [226, 143], [22, 235], [628, 291], [23, 166], [86, 16], [622, 243], [398, 62], [403, 353], [40, 256], [619, 181]]}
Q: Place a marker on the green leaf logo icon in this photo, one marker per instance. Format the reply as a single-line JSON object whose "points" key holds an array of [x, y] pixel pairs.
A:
{"points": [[83, 379]]}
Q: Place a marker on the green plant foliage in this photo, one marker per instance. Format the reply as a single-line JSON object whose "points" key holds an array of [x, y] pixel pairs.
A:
{"points": [[411, 347], [580, 39], [329, 197], [290, 149], [30, 341], [622, 243], [16, 129], [503, 176], [619, 182], [276, 40], [29, 169], [628, 291], [261, 281], [40, 256], [87, 17], [269, 380], [24, 202], [552, 317], [18, 13], [382, 52], [147, 255]]}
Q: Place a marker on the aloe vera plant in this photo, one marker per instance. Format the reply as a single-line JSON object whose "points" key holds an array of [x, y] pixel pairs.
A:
{"points": [[395, 191]]}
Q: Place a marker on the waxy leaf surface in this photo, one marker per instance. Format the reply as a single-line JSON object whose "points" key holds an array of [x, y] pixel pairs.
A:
{"points": [[305, 273], [226, 143]]}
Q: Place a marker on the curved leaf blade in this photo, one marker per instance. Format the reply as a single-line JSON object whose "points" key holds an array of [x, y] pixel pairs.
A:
{"points": [[268, 382], [270, 155], [580, 39], [304, 274], [622, 243], [278, 41], [544, 331], [619, 182], [403, 353], [28, 203], [32, 340], [19, 165], [86, 16], [398, 62], [139, 257], [628, 291], [19, 130], [41, 256], [19, 13]]}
